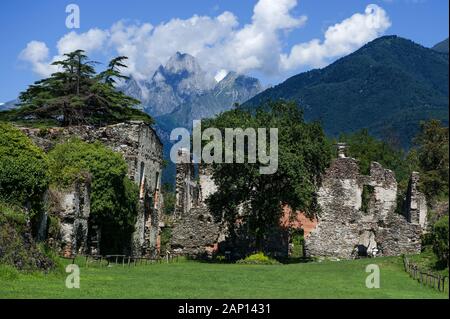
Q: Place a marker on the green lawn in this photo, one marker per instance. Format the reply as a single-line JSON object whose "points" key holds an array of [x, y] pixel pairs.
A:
{"points": [[188, 279]]}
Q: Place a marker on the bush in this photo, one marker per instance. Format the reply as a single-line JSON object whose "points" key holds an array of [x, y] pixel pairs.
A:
{"points": [[114, 196], [440, 240], [23, 168], [18, 249], [258, 259], [8, 272]]}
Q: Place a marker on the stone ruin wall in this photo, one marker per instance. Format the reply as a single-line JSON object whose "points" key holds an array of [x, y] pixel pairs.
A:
{"points": [[195, 231], [142, 151], [344, 229]]}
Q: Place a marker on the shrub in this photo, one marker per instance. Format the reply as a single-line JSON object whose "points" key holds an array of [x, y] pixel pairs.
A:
{"points": [[258, 259], [18, 249], [440, 240], [114, 196], [8, 272], [23, 168]]}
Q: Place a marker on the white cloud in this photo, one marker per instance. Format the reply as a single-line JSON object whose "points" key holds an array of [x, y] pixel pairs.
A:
{"points": [[90, 41], [221, 75], [221, 43], [340, 39], [37, 54]]}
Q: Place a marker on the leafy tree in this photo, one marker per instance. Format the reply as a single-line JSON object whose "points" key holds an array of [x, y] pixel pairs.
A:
{"points": [[23, 168], [113, 71], [367, 149], [440, 240], [256, 199], [433, 158], [113, 195], [77, 95]]}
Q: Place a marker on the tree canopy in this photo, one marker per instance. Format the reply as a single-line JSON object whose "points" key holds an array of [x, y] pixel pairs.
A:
{"points": [[76, 95], [257, 199], [431, 149], [23, 168], [366, 148]]}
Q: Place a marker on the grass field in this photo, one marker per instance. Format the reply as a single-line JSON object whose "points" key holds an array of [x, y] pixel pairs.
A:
{"points": [[189, 279]]}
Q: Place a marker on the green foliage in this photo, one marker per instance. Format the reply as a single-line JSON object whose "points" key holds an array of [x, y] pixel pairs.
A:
{"points": [[367, 149], [367, 195], [440, 240], [298, 240], [12, 215], [23, 168], [8, 272], [428, 261], [76, 95], [304, 153], [432, 155], [166, 236], [17, 248], [388, 86], [258, 259], [169, 199], [113, 195]]}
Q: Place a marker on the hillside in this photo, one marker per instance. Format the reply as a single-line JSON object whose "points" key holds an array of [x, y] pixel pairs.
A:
{"points": [[387, 86], [441, 46]]}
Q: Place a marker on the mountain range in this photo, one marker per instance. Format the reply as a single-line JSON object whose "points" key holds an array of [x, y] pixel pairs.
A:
{"points": [[441, 46], [8, 105], [181, 91], [389, 86]]}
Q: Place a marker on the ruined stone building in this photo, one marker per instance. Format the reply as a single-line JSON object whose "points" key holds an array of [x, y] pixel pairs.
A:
{"points": [[358, 215], [142, 151], [195, 231]]}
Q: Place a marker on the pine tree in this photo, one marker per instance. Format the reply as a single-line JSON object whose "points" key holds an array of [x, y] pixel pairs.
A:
{"points": [[76, 94]]}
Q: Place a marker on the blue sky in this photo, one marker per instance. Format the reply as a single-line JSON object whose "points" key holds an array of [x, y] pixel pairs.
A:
{"points": [[242, 35]]}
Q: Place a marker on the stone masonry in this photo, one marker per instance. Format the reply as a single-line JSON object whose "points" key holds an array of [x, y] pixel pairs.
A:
{"points": [[195, 232], [348, 227], [74, 212], [142, 151], [358, 214]]}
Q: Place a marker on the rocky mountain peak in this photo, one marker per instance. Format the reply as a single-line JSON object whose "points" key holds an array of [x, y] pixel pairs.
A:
{"points": [[182, 62]]}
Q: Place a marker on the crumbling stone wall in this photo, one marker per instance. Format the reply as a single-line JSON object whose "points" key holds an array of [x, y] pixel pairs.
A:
{"points": [[142, 150], [186, 187], [416, 204], [345, 229], [74, 211], [195, 231], [358, 215], [195, 234]]}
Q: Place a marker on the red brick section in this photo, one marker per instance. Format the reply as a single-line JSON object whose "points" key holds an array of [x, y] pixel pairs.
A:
{"points": [[299, 221]]}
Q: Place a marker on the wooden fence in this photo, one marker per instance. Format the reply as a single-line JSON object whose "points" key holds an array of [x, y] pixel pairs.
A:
{"points": [[426, 278], [122, 260]]}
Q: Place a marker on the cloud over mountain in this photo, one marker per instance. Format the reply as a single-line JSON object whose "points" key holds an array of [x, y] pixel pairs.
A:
{"points": [[220, 43]]}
